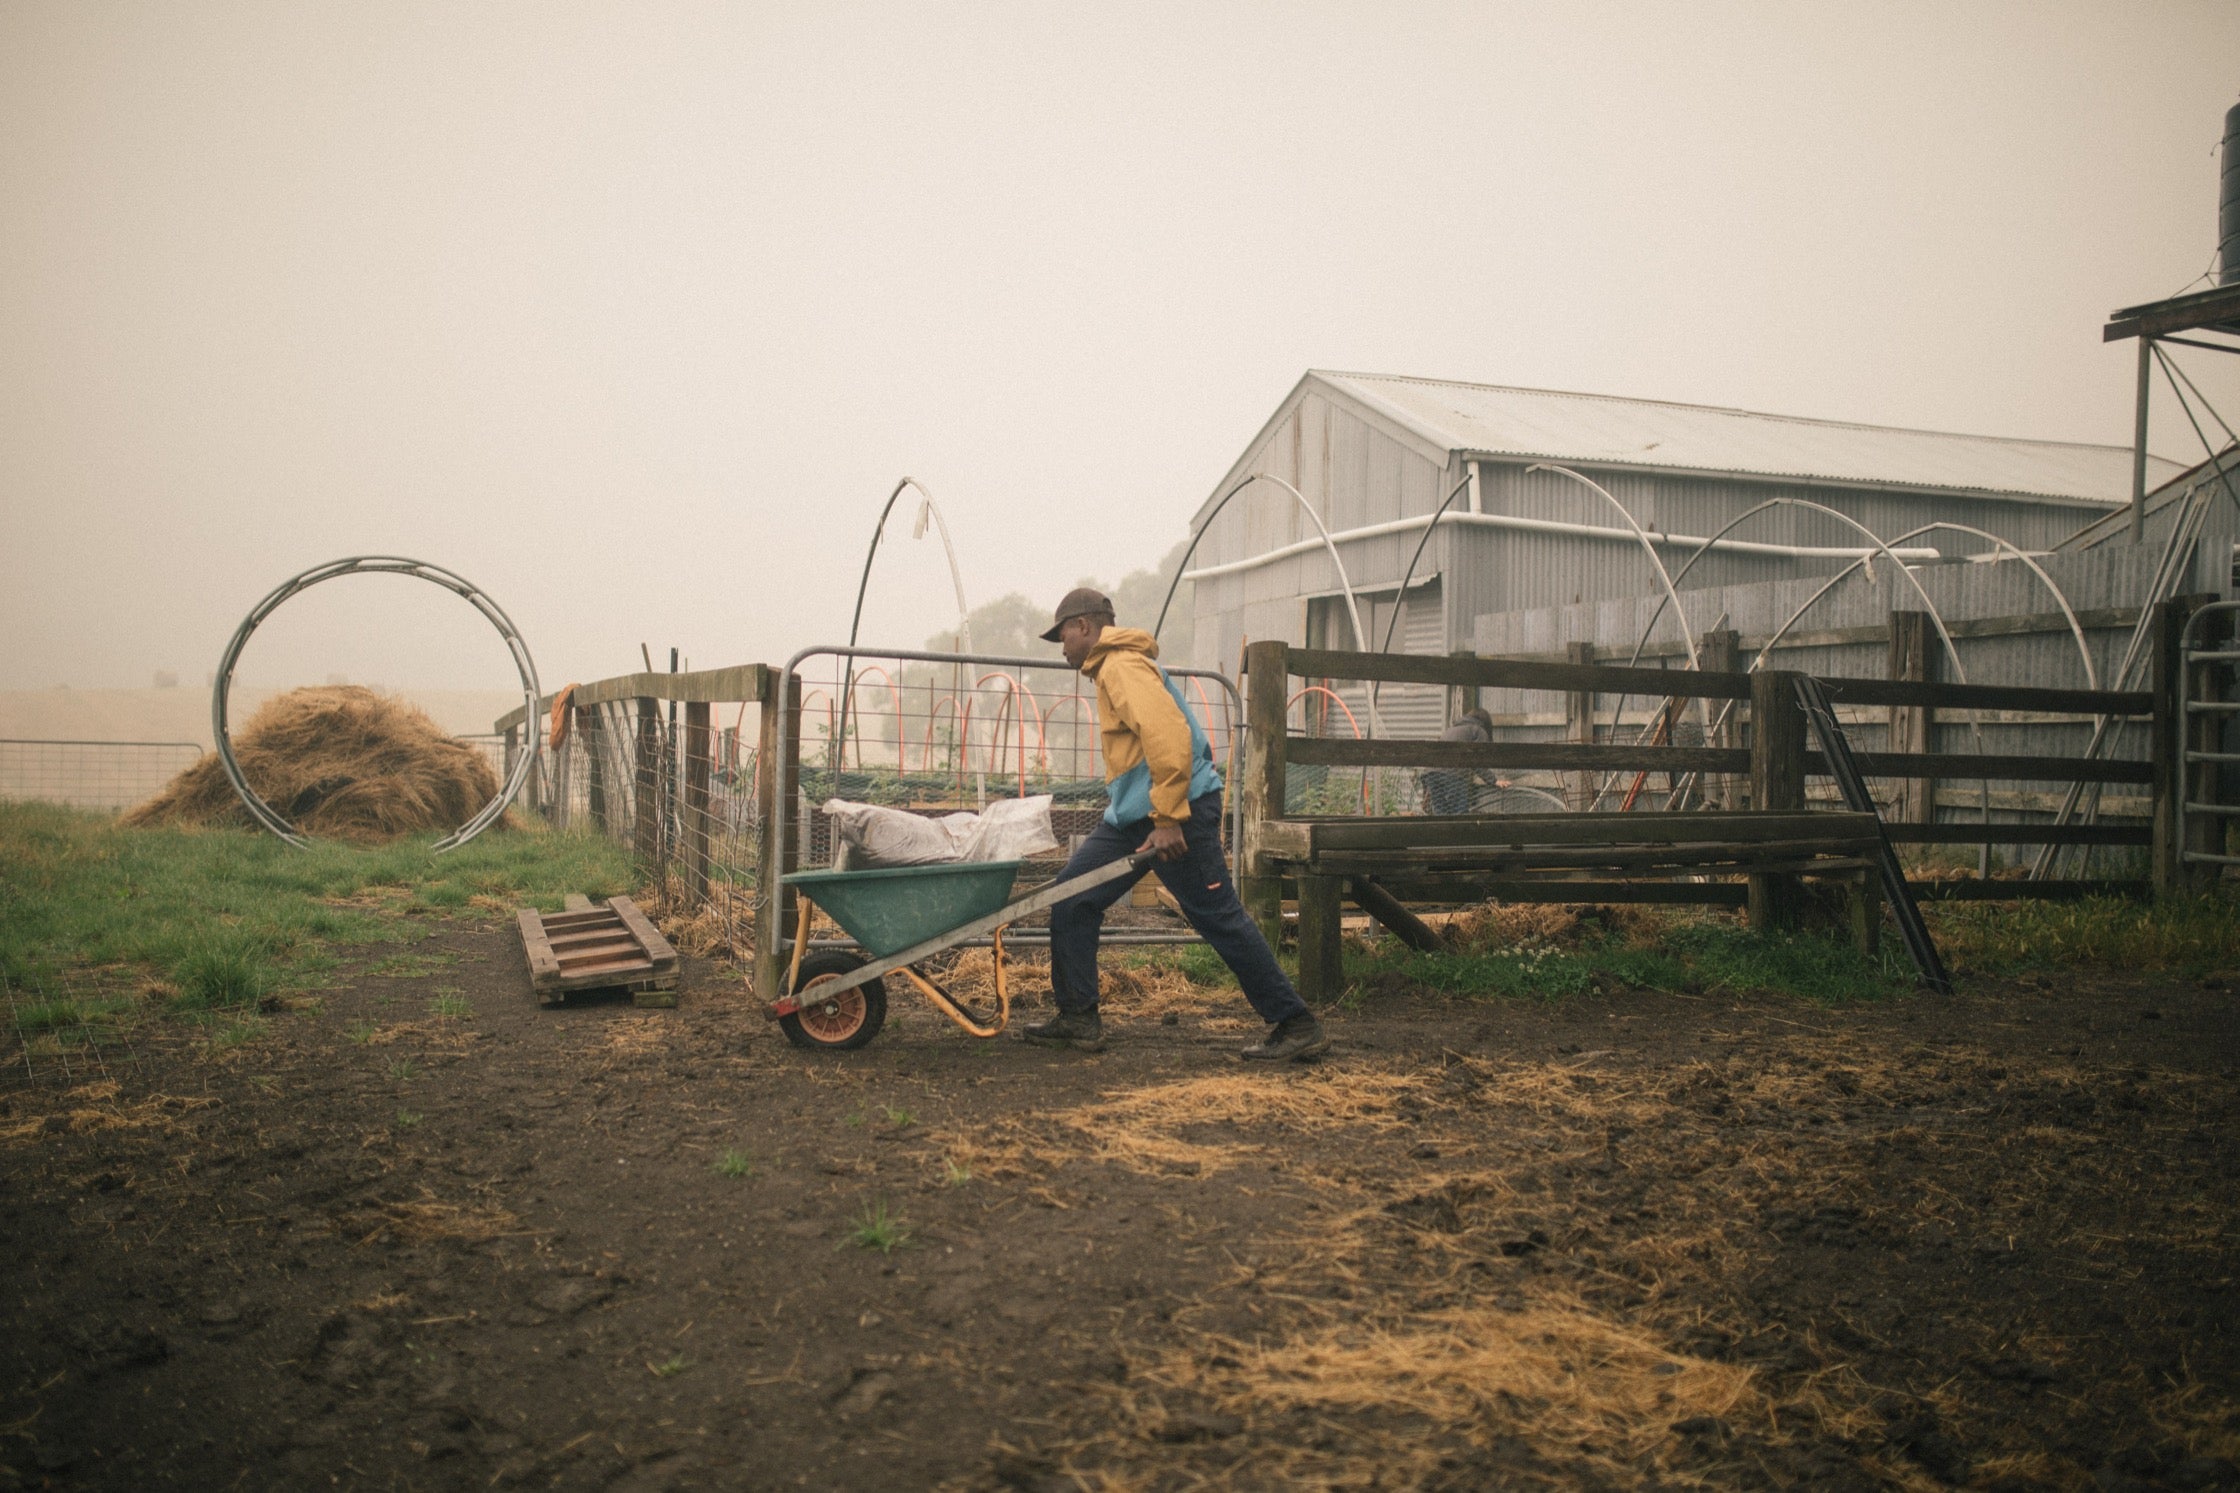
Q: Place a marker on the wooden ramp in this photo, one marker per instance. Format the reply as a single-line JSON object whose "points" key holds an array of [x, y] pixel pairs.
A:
{"points": [[598, 948]]}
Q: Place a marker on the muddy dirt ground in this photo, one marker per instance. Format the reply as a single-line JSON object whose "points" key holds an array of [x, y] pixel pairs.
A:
{"points": [[429, 1235]]}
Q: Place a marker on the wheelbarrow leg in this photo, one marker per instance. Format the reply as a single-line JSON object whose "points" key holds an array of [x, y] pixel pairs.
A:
{"points": [[954, 1009]]}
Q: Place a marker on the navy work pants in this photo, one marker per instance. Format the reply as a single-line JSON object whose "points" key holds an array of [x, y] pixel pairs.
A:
{"points": [[1200, 883]]}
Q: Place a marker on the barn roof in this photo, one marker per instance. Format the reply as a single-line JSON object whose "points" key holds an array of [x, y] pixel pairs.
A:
{"points": [[1492, 421]]}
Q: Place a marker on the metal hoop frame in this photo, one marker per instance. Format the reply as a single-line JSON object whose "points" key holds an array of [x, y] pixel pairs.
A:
{"points": [[459, 586]]}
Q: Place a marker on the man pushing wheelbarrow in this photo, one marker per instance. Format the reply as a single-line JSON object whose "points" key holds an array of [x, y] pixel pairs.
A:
{"points": [[1165, 800]]}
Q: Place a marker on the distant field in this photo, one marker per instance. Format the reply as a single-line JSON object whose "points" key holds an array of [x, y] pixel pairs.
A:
{"points": [[183, 714], [115, 777]]}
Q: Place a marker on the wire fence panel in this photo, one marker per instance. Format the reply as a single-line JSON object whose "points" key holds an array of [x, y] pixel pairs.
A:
{"points": [[676, 782], [104, 775]]}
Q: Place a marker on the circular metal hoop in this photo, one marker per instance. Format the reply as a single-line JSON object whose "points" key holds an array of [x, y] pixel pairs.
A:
{"points": [[270, 817]]}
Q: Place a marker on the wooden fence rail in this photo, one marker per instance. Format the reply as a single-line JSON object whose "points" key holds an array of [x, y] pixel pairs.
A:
{"points": [[1774, 764]]}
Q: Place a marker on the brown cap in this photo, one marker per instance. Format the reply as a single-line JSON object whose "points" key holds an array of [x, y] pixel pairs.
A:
{"points": [[1081, 601]]}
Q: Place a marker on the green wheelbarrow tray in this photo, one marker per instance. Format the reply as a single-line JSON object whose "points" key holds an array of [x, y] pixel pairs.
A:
{"points": [[889, 909], [904, 914]]}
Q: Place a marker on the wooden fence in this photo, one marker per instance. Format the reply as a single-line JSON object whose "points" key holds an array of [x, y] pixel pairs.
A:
{"points": [[1762, 762]]}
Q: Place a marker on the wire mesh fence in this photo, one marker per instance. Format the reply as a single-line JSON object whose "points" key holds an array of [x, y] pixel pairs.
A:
{"points": [[675, 780], [103, 775]]}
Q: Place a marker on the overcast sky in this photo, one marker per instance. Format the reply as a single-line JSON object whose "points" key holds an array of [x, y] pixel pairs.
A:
{"points": [[633, 313]]}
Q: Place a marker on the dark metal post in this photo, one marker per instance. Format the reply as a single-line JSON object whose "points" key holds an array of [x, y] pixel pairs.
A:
{"points": [[2139, 441]]}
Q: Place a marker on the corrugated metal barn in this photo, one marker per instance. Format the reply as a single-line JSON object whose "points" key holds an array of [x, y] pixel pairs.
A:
{"points": [[1374, 456]]}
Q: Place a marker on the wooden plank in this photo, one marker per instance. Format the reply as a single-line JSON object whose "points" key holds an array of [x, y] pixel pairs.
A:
{"points": [[1388, 912], [1585, 857], [1497, 673], [2095, 619], [738, 682], [649, 938], [1520, 830], [2081, 702], [1950, 765], [544, 967], [2020, 834], [1333, 751], [1469, 886], [575, 902], [2208, 308]]}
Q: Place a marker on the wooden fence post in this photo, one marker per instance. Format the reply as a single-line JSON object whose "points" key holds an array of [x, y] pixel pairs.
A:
{"points": [[646, 843], [770, 927], [1777, 747], [1579, 725], [698, 759], [1913, 727], [1321, 966], [1721, 653], [1267, 675], [1461, 698], [591, 729]]}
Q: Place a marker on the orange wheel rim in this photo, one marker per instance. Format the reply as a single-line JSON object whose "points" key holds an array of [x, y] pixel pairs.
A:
{"points": [[833, 1019]]}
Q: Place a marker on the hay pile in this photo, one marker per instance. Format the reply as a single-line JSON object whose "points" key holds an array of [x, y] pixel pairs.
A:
{"points": [[340, 762]]}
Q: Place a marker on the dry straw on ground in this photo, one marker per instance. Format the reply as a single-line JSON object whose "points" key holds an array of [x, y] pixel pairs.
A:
{"points": [[338, 761]]}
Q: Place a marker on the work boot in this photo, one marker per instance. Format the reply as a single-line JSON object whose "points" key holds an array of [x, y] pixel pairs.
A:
{"points": [[1299, 1036], [1081, 1030]]}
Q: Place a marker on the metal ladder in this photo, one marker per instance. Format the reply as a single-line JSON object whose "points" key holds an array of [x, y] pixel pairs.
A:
{"points": [[1844, 768], [2200, 663]]}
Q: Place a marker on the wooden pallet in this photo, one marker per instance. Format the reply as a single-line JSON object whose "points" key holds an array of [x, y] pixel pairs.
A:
{"points": [[598, 948]]}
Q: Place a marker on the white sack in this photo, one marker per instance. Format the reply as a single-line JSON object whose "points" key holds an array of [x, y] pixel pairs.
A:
{"points": [[872, 836], [1011, 829]]}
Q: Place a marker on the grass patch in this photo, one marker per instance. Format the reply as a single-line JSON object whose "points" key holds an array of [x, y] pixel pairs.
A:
{"points": [[1550, 953], [734, 1164], [404, 1070], [234, 1033], [878, 1228], [2189, 936], [407, 1118], [223, 971], [230, 919], [955, 1173], [669, 1367], [451, 1008], [897, 1116]]}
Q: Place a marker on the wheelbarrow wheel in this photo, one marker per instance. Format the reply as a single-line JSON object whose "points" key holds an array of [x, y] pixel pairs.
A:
{"points": [[849, 1019]]}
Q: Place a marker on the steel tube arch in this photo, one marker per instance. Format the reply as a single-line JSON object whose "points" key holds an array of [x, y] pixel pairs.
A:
{"points": [[222, 686], [956, 577], [1649, 549], [1345, 584]]}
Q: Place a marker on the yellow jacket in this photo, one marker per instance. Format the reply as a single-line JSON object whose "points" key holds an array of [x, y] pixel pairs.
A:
{"points": [[1140, 723]]}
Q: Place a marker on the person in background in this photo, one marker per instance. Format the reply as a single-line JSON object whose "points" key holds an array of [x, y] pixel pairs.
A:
{"points": [[1165, 798], [1448, 790]]}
